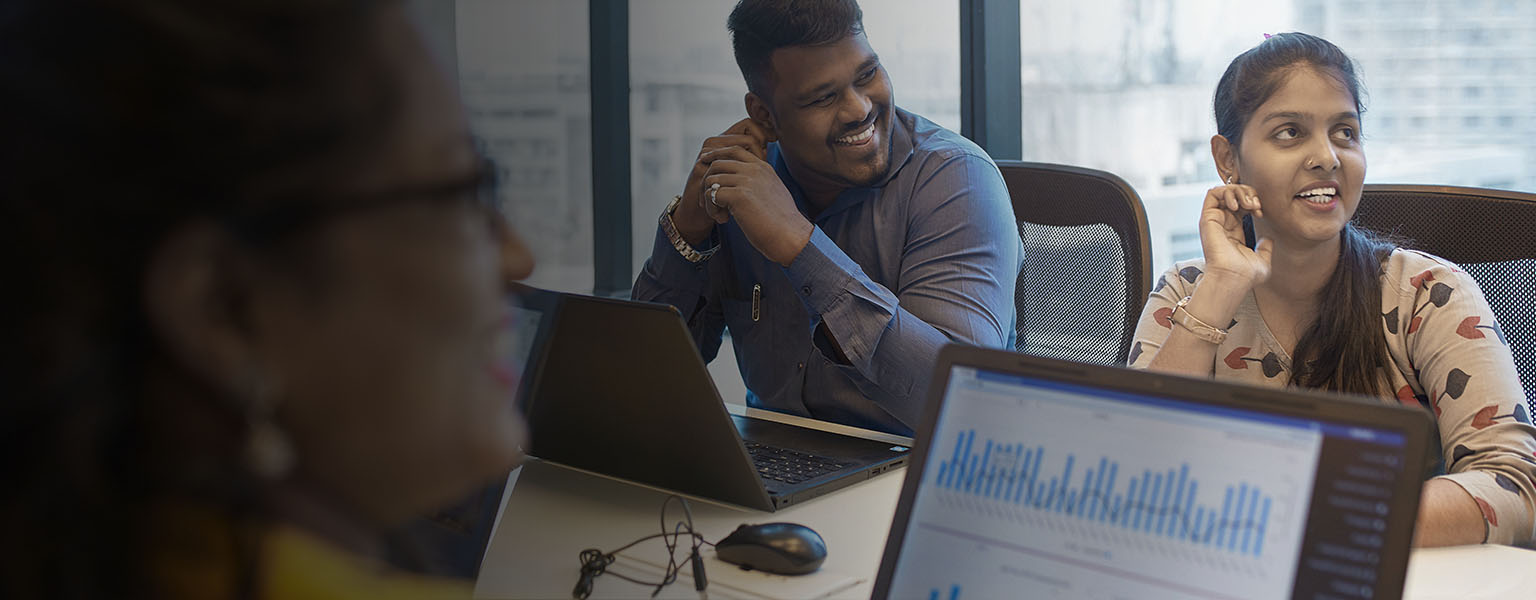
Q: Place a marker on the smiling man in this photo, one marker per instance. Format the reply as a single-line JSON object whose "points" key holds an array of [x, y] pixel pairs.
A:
{"points": [[840, 239]]}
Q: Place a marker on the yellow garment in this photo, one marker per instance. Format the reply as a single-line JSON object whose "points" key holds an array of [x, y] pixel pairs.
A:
{"points": [[299, 566], [194, 556]]}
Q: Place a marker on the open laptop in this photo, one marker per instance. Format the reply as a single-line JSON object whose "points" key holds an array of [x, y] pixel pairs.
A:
{"points": [[1037, 478], [618, 388]]}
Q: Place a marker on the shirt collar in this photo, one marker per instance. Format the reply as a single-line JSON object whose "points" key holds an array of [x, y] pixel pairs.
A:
{"points": [[901, 153]]}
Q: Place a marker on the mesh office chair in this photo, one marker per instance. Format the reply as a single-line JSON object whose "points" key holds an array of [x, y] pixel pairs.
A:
{"points": [[1087, 261], [1488, 233]]}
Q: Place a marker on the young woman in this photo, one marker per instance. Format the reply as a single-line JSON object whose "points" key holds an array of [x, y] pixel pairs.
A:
{"points": [[254, 299], [1317, 303]]}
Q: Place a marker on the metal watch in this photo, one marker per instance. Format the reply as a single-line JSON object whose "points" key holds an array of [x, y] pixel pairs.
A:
{"points": [[682, 245]]}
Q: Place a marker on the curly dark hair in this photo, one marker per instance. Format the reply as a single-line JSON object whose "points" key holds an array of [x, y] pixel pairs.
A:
{"points": [[123, 120]]}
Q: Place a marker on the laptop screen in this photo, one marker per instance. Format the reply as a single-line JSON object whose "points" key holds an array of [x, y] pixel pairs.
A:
{"points": [[532, 312], [1042, 489]]}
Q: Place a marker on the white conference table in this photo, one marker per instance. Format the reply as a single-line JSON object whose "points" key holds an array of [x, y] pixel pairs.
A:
{"points": [[551, 513]]}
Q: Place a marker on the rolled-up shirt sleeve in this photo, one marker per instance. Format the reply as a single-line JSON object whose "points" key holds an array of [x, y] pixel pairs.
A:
{"points": [[958, 268]]}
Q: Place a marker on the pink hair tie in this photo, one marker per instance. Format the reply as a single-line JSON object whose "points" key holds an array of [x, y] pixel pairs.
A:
{"points": [[1267, 36]]}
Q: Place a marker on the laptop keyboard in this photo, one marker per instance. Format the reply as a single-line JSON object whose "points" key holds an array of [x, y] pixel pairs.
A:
{"points": [[789, 466]]}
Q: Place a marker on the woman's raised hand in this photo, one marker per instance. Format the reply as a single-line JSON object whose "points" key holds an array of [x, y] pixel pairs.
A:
{"points": [[1221, 235]]}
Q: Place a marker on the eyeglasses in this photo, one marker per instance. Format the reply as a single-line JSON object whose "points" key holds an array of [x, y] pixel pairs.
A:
{"points": [[282, 217]]}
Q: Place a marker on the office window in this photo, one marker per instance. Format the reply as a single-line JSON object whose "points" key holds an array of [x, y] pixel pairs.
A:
{"points": [[1184, 244], [523, 74], [685, 85], [1125, 86]]}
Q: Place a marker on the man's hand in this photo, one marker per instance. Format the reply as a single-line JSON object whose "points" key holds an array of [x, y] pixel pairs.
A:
{"points": [[751, 192], [693, 219]]}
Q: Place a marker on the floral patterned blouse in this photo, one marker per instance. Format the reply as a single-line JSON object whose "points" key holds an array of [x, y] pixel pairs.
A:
{"points": [[1450, 357]]}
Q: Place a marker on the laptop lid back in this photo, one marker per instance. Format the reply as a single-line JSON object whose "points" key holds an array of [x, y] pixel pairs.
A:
{"points": [[623, 392], [1036, 478]]}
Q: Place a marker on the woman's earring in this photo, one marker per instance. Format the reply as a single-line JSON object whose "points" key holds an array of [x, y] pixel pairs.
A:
{"points": [[268, 451], [1231, 179]]}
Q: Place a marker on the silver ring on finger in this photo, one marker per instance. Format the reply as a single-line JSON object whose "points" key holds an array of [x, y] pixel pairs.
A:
{"points": [[714, 187]]}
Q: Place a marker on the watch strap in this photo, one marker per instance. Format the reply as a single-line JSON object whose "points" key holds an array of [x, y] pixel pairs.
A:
{"points": [[1193, 324], [682, 246]]}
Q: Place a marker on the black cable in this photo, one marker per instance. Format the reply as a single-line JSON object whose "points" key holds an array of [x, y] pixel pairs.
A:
{"points": [[595, 562]]}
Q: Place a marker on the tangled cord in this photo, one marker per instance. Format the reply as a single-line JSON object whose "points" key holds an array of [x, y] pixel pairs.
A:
{"points": [[595, 562]]}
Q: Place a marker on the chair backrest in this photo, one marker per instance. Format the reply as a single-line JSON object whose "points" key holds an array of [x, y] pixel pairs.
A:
{"points": [[1490, 233], [1087, 261]]}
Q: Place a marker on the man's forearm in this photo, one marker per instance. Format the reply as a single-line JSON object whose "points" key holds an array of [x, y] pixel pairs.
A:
{"points": [[668, 278], [890, 345]]}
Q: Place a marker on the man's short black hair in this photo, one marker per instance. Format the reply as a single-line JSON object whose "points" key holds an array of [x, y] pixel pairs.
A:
{"points": [[758, 27]]}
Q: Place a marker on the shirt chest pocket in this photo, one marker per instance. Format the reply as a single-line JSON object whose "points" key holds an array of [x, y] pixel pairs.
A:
{"points": [[753, 340], [743, 306], [744, 314], [761, 322]]}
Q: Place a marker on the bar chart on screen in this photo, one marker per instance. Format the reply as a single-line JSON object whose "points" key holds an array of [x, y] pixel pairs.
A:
{"points": [[1160, 503], [1045, 496]]}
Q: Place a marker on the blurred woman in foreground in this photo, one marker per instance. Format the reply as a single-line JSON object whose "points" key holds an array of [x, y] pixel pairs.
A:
{"points": [[254, 297]]}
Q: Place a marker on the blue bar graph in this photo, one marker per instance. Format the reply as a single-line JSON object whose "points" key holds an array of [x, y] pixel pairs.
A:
{"points": [[1226, 511], [954, 593], [1156, 502], [1140, 501], [1199, 521]]}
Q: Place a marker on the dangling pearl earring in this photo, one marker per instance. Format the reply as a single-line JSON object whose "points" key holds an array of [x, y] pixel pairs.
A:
{"points": [[1231, 179], [268, 451]]}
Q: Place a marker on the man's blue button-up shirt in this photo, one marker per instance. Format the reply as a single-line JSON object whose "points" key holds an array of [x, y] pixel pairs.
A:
{"points": [[928, 256]]}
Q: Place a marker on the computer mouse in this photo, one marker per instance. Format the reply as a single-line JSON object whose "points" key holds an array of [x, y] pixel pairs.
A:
{"points": [[783, 548]]}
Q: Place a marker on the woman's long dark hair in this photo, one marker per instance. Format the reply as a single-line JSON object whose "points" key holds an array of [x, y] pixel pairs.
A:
{"points": [[123, 120], [1344, 349]]}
